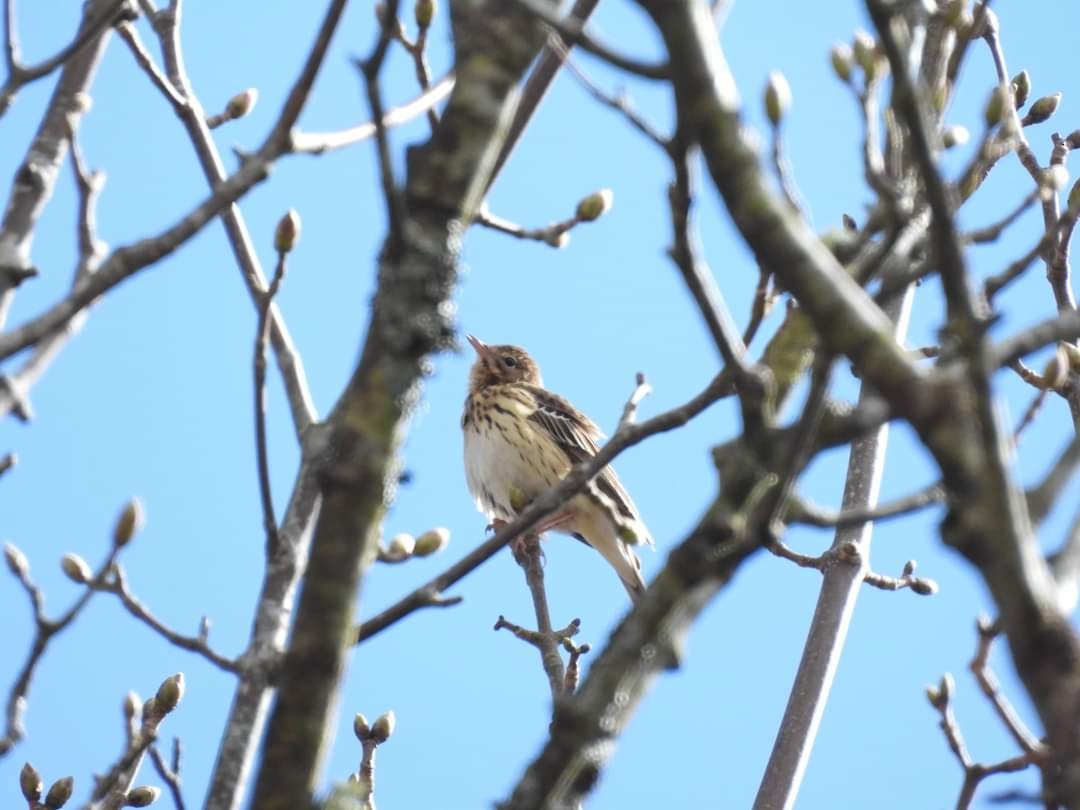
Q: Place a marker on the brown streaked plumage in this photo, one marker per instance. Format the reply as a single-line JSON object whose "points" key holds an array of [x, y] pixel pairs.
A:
{"points": [[521, 440]]}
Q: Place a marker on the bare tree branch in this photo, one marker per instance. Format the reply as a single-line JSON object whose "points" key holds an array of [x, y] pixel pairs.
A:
{"points": [[94, 22]]}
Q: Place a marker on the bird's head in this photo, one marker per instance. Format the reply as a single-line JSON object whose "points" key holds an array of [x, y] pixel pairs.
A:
{"points": [[497, 365]]}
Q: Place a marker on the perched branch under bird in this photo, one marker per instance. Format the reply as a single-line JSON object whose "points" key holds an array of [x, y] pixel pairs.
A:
{"points": [[521, 440]]}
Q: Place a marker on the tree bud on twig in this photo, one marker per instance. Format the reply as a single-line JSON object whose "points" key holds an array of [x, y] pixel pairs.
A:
{"points": [[909, 568], [777, 97], [1072, 140], [16, 560], [360, 727], [287, 232], [169, 693], [985, 23], [1021, 87], [1074, 199], [557, 239], [401, 546], [595, 205], [1051, 180], [1057, 369], [995, 105], [59, 793], [1072, 352], [30, 783], [843, 62], [395, 26], [924, 587], [129, 523], [383, 728], [431, 542], [954, 136], [132, 706], [947, 687], [1042, 109], [76, 569], [425, 12], [241, 104], [143, 796], [864, 49]]}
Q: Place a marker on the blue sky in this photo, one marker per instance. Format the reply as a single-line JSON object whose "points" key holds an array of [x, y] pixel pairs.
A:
{"points": [[153, 399]]}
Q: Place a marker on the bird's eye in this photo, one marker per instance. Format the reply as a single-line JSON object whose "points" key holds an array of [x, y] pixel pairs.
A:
{"points": [[509, 361]]}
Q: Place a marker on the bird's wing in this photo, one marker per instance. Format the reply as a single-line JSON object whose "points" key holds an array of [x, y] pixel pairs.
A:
{"points": [[577, 435]]}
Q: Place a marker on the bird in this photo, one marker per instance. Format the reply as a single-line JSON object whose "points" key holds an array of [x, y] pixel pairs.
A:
{"points": [[521, 440]]}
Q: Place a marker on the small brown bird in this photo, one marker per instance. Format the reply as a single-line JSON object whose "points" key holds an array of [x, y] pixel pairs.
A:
{"points": [[521, 440]]}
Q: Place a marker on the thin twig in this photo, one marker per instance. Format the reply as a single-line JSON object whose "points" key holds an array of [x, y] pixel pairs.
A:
{"points": [[316, 143], [988, 682], [698, 277], [536, 86], [170, 773], [992, 232], [1041, 498], [115, 582], [417, 49], [801, 512], [370, 68], [529, 556], [641, 390], [573, 33], [44, 631], [1065, 326], [262, 453], [20, 75], [619, 102], [15, 389]]}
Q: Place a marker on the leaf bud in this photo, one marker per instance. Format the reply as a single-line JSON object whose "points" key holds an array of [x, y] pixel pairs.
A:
{"points": [[59, 793], [143, 796], [843, 61], [425, 12], [1057, 369], [924, 587], [595, 205], [383, 728], [1074, 199], [947, 687], [170, 693], [1021, 87], [777, 97], [30, 783], [432, 542], [995, 106], [129, 523], [360, 727], [1042, 109], [241, 104], [287, 232], [16, 560], [865, 51], [76, 568], [401, 546]]}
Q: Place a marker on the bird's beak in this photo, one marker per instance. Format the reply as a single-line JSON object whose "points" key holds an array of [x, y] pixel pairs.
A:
{"points": [[482, 349]]}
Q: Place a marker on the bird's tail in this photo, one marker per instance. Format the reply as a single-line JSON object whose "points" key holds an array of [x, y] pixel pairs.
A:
{"points": [[603, 536]]}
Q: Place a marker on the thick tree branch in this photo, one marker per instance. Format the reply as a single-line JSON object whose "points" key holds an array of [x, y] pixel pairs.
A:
{"points": [[987, 519], [447, 178], [36, 176]]}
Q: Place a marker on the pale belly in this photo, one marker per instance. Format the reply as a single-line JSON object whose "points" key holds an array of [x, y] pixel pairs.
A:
{"points": [[498, 475]]}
